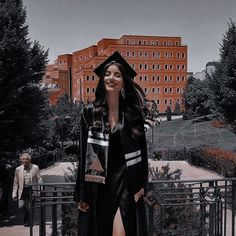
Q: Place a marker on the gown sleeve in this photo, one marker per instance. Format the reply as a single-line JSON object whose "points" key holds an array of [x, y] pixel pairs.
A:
{"points": [[144, 162], [81, 191]]}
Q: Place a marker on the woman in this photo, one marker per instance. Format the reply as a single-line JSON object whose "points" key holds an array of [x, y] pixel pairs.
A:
{"points": [[113, 166]]}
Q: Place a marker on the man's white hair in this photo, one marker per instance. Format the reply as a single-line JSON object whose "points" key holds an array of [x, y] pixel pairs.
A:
{"points": [[25, 154]]}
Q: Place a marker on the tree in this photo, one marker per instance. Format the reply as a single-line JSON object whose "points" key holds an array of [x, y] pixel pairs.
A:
{"points": [[223, 81], [177, 110], [172, 213], [197, 99], [67, 114], [22, 65]]}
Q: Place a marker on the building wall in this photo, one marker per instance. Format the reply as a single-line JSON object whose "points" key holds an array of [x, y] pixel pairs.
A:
{"points": [[160, 63]]}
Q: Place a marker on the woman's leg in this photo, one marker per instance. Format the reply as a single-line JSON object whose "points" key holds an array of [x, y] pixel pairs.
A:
{"points": [[118, 227]]}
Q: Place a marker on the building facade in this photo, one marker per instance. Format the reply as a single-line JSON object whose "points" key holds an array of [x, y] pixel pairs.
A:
{"points": [[160, 63]]}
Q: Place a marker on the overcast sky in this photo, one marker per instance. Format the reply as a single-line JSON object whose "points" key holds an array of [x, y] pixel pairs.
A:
{"points": [[65, 26]]}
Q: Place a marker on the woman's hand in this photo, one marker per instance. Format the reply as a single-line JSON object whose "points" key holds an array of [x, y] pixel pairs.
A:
{"points": [[138, 194], [83, 206]]}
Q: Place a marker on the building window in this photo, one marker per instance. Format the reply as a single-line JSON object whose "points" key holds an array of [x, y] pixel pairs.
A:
{"points": [[146, 54], [165, 90], [133, 54], [178, 55], [140, 42], [157, 43], [171, 67], [140, 66], [183, 67], [170, 101], [152, 42], [87, 77], [178, 79], [170, 90], [93, 90], [166, 67], [166, 101], [88, 90], [128, 54], [144, 42], [164, 43], [127, 42], [158, 101], [178, 90], [183, 55], [146, 90], [145, 66], [153, 67], [133, 41], [158, 67], [176, 43], [93, 78], [158, 78], [170, 78], [153, 90], [145, 78], [169, 43], [166, 78], [178, 67], [183, 78], [157, 90], [140, 78]]}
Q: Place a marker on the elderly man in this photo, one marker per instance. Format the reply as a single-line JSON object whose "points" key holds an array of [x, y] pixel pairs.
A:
{"points": [[25, 174]]}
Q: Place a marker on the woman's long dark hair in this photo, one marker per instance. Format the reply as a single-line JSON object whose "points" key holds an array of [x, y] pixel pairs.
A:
{"points": [[131, 102]]}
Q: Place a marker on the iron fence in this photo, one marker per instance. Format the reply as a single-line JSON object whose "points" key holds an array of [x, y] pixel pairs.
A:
{"points": [[174, 208]]}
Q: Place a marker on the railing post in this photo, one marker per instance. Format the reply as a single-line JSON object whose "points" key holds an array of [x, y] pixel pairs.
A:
{"points": [[233, 206], [211, 218], [54, 213], [31, 211], [42, 228]]}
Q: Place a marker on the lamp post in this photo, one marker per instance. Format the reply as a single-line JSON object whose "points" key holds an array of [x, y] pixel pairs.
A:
{"points": [[62, 119]]}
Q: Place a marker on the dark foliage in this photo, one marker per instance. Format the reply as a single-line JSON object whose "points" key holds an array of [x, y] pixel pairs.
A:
{"points": [[22, 65]]}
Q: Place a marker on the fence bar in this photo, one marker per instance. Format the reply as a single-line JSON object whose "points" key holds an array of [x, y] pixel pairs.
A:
{"points": [[233, 206], [31, 212], [54, 214], [42, 228]]}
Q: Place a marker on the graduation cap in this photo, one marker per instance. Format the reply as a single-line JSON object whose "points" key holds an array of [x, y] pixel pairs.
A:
{"points": [[119, 59]]}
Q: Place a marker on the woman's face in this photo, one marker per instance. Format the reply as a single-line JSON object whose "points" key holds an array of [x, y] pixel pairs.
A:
{"points": [[113, 79]]}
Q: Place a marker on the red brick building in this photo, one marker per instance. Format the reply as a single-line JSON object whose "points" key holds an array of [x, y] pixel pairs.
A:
{"points": [[160, 62]]}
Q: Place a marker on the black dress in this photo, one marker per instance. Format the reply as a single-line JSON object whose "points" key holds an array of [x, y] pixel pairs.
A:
{"points": [[104, 199]]}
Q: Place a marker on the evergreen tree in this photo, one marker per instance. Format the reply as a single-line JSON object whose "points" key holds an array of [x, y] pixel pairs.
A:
{"points": [[223, 81], [22, 65], [197, 97], [177, 110], [67, 114]]}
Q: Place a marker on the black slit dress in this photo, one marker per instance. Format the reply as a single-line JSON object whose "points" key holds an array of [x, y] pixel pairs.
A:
{"points": [[104, 199]]}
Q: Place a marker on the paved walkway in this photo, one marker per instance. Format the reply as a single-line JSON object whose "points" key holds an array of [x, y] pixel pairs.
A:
{"points": [[57, 172]]}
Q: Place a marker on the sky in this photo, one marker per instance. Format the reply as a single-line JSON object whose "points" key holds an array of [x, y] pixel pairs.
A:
{"points": [[65, 26]]}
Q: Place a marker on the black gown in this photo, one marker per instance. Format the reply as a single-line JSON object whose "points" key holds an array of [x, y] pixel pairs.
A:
{"points": [[104, 199]]}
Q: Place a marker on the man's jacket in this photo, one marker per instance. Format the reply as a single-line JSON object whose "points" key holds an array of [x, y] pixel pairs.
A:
{"points": [[18, 184], [93, 161]]}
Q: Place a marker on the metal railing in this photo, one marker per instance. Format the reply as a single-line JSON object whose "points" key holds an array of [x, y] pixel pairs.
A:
{"points": [[179, 207]]}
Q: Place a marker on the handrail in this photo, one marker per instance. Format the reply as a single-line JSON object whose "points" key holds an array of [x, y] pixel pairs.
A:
{"points": [[212, 202]]}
